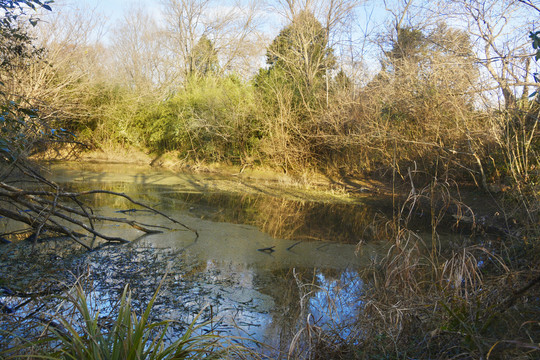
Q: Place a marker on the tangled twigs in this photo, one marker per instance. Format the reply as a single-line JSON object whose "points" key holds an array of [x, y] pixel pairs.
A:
{"points": [[136, 203], [45, 210]]}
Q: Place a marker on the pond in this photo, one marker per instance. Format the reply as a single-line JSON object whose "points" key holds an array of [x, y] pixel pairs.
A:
{"points": [[267, 257]]}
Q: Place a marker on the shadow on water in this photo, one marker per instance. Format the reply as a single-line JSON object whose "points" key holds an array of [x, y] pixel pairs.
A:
{"points": [[280, 211]]}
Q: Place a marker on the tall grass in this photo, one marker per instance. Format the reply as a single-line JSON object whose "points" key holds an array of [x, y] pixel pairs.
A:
{"points": [[475, 297]]}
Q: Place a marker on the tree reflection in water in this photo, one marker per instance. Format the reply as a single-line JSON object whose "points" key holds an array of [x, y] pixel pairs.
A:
{"points": [[312, 276]]}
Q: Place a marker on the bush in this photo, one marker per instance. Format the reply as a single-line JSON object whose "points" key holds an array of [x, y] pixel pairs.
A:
{"points": [[210, 119]]}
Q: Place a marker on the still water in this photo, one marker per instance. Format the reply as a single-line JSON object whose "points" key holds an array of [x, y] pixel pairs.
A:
{"points": [[311, 268]]}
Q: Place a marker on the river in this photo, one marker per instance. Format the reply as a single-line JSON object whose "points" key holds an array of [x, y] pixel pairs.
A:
{"points": [[268, 255]]}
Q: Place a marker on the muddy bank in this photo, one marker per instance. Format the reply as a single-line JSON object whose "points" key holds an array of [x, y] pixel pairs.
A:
{"points": [[255, 172]]}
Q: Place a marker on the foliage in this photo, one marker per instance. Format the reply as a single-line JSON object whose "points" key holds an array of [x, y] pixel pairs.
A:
{"points": [[299, 58], [302, 46], [131, 337], [204, 57], [211, 118], [14, 9], [23, 128], [535, 37], [23, 132], [410, 44], [421, 65]]}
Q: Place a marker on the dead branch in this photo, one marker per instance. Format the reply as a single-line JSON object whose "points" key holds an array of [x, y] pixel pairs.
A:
{"points": [[46, 210], [267, 249]]}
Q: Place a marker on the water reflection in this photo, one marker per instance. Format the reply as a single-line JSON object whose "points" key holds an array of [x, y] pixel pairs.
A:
{"points": [[278, 217], [267, 296], [246, 300], [240, 299]]}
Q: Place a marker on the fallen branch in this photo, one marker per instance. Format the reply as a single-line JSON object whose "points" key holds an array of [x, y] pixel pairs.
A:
{"points": [[44, 210], [267, 249], [293, 245]]}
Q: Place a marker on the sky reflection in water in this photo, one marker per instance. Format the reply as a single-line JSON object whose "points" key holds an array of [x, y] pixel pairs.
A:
{"points": [[312, 272]]}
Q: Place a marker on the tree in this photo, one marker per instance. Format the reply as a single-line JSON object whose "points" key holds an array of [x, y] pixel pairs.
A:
{"points": [[139, 51], [535, 37], [301, 50], [495, 27], [295, 86], [299, 58], [232, 33], [21, 128], [409, 44], [434, 67], [46, 207], [204, 57], [297, 83]]}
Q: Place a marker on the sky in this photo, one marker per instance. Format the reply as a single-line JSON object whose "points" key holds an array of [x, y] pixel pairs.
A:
{"points": [[371, 18], [114, 9]]}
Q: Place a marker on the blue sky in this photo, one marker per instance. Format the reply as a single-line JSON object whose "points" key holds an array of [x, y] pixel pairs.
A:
{"points": [[114, 9]]}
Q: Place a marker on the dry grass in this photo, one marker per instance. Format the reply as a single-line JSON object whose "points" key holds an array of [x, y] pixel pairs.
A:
{"points": [[475, 298]]}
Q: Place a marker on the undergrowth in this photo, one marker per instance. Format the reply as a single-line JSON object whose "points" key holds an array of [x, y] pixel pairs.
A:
{"points": [[427, 298]]}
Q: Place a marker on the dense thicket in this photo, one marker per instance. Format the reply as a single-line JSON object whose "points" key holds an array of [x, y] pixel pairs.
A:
{"points": [[431, 102]]}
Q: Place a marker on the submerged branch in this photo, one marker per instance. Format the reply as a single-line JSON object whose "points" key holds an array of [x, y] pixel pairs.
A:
{"points": [[44, 209], [90, 192]]}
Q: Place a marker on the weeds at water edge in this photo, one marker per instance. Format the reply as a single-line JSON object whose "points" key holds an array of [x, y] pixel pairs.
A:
{"points": [[85, 334]]}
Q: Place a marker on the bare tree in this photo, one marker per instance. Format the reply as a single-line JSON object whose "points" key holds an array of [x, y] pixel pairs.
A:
{"points": [[186, 23], [237, 37], [139, 51], [232, 30], [70, 59], [498, 29]]}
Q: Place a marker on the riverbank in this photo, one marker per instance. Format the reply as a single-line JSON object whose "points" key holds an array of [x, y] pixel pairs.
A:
{"points": [[465, 206], [345, 188]]}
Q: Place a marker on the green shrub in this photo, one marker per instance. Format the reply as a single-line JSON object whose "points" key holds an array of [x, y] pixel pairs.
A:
{"points": [[209, 119]]}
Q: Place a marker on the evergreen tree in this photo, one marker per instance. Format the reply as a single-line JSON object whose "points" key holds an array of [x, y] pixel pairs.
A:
{"points": [[299, 59], [204, 58]]}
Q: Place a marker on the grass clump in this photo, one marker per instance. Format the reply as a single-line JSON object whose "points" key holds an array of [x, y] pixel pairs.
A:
{"points": [[473, 297], [85, 334]]}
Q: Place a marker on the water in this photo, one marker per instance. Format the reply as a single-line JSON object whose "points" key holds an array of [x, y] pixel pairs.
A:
{"points": [[313, 270]]}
